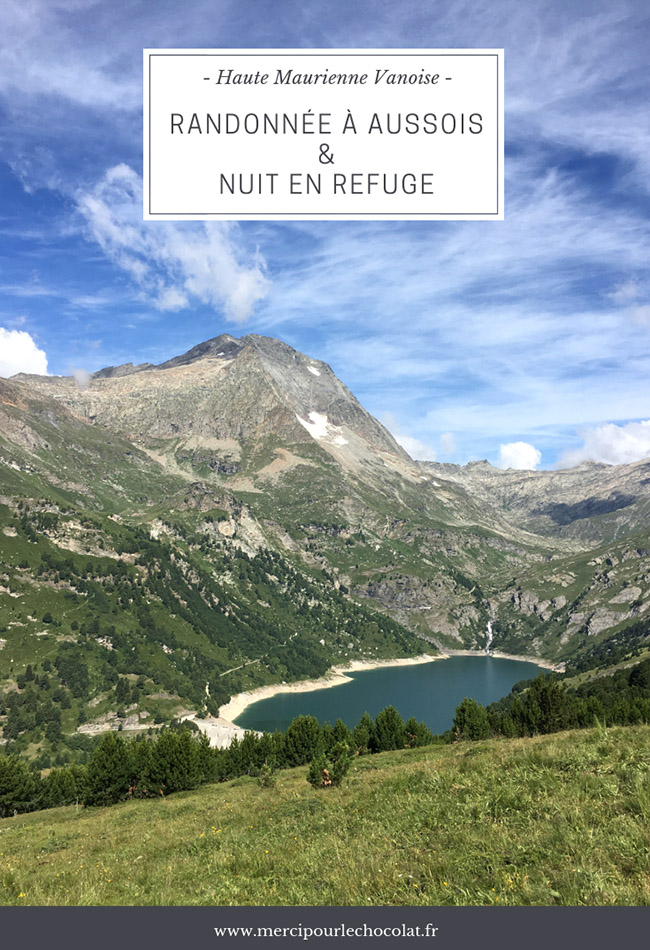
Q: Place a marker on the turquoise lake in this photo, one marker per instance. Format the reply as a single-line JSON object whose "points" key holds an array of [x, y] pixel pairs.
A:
{"points": [[429, 691]]}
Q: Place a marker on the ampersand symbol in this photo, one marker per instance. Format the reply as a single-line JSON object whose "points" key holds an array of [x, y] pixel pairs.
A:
{"points": [[325, 158]]}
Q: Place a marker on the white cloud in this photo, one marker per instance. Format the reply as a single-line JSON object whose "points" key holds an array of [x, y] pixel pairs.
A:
{"points": [[641, 314], [173, 265], [521, 455], [36, 32], [448, 444], [19, 354], [612, 444], [624, 292], [417, 449], [632, 295]]}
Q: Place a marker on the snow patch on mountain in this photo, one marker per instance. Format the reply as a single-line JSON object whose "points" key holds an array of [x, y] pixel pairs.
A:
{"points": [[319, 428], [313, 370]]}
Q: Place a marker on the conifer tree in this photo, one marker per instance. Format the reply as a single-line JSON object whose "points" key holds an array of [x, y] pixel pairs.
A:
{"points": [[19, 787], [111, 771], [471, 720], [174, 764], [304, 740], [390, 731], [341, 732], [363, 735]]}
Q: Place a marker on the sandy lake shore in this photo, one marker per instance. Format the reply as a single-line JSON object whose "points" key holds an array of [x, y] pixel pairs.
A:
{"points": [[336, 676]]}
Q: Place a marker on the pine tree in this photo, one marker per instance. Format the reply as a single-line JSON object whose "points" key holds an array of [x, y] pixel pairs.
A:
{"points": [[329, 771], [174, 764], [390, 730], [341, 732], [363, 735], [61, 787], [471, 720], [417, 733], [304, 740], [318, 773], [206, 759], [547, 706], [340, 759], [19, 787], [111, 771]]}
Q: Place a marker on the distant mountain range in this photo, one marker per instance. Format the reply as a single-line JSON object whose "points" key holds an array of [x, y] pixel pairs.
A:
{"points": [[243, 481]]}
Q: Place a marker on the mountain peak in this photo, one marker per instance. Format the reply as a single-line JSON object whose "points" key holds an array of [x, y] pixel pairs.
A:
{"points": [[224, 345], [226, 395]]}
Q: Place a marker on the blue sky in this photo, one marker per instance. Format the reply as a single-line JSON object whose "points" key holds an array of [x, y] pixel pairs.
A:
{"points": [[526, 341]]}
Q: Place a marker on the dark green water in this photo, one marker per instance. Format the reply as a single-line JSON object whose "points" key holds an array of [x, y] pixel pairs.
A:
{"points": [[429, 691]]}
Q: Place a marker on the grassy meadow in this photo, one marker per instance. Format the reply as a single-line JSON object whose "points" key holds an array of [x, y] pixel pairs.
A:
{"points": [[560, 819]]}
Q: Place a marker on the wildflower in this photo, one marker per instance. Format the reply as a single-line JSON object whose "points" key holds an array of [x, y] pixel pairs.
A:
{"points": [[21, 894]]}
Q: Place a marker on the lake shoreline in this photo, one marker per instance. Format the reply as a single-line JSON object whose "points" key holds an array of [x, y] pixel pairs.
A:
{"points": [[335, 676], [338, 675], [498, 655]]}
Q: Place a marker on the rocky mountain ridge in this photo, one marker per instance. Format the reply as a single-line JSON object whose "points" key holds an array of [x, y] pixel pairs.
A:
{"points": [[590, 502]]}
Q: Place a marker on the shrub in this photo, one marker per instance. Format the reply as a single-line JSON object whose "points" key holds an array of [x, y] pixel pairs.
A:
{"points": [[266, 778], [340, 756], [318, 773], [329, 772]]}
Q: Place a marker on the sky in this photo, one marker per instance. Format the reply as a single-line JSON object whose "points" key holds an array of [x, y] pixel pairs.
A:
{"points": [[524, 341]]}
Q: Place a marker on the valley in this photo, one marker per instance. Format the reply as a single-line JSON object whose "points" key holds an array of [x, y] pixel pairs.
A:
{"points": [[173, 535]]}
